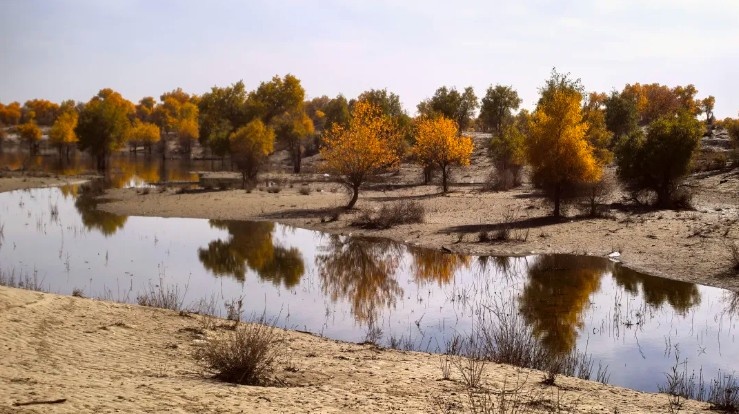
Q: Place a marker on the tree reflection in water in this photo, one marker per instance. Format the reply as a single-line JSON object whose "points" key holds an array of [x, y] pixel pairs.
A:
{"points": [[362, 271], [656, 290], [251, 245], [556, 294], [92, 218], [434, 265]]}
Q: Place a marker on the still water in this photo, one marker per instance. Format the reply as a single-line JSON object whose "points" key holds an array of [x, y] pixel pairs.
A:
{"points": [[125, 170], [348, 288]]}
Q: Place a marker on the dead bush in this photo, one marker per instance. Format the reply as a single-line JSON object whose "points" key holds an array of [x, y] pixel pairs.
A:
{"points": [[162, 296], [734, 252], [682, 199], [389, 215], [504, 179], [247, 355], [305, 190]]}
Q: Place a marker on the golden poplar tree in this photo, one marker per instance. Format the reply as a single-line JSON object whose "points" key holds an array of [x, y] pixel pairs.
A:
{"points": [[250, 145], [363, 149], [62, 133], [558, 149], [439, 144], [31, 133], [144, 133]]}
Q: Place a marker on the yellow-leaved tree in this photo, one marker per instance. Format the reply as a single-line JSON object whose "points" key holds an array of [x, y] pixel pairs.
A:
{"points": [[143, 133], [62, 133], [250, 145], [558, 149], [31, 133], [439, 144], [364, 148]]}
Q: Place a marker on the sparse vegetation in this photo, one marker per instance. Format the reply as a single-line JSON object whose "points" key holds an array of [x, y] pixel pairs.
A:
{"points": [[162, 296], [26, 281], [247, 355], [390, 215]]}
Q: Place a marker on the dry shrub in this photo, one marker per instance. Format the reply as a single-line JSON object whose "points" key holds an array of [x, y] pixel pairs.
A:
{"points": [[247, 355], [389, 215], [682, 199], [504, 179], [162, 296], [734, 251], [305, 190]]}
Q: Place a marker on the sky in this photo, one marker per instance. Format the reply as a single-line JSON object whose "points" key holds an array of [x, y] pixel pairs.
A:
{"points": [[70, 49]]}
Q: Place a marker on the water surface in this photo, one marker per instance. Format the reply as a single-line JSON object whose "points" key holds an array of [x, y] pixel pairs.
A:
{"points": [[355, 288]]}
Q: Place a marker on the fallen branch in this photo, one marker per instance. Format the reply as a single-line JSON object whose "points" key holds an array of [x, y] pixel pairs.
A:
{"points": [[59, 401]]}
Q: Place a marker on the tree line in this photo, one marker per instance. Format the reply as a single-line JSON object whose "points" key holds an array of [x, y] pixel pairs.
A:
{"points": [[651, 131]]}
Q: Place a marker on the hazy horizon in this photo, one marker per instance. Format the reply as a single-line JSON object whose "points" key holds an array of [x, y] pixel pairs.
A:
{"points": [[70, 49]]}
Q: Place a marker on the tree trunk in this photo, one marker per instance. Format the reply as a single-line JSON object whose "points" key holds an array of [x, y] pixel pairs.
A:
{"points": [[444, 184], [296, 155], [427, 172], [355, 196]]}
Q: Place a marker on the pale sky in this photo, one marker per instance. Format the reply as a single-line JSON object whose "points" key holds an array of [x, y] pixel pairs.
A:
{"points": [[70, 49]]}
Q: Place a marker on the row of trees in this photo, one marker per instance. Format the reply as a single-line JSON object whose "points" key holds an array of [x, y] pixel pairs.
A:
{"points": [[651, 130]]}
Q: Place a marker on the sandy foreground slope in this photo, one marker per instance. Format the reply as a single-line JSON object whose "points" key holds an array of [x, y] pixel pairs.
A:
{"points": [[108, 357]]}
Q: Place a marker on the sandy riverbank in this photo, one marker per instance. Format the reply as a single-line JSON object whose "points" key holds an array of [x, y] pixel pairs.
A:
{"points": [[110, 357], [690, 245]]}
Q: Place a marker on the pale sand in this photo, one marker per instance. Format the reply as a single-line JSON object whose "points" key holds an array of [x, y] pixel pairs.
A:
{"points": [[111, 357], [104, 357]]}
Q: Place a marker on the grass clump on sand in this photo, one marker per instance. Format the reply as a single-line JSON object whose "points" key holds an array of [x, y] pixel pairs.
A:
{"points": [[389, 215], [246, 355]]}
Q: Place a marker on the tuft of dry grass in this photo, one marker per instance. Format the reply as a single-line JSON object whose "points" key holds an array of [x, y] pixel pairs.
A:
{"points": [[390, 215], [162, 296], [247, 355]]}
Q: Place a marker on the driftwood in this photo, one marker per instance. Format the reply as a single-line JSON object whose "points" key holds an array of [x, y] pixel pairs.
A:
{"points": [[35, 402]]}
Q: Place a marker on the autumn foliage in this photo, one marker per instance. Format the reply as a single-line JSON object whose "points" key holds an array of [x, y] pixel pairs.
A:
{"points": [[439, 144], [62, 133], [361, 150], [250, 145], [558, 149]]}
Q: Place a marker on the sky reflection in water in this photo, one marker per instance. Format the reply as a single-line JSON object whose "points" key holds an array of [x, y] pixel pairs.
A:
{"points": [[341, 287]]}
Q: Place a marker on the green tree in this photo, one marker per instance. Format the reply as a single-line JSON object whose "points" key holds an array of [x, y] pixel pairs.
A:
{"points": [[497, 108], [221, 111], [294, 128], [706, 107], [449, 103], [279, 104], [337, 112], [31, 133], [508, 151], [250, 145], [558, 150], [660, 160], [621, 116], [103, 125], [275, 97]]}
